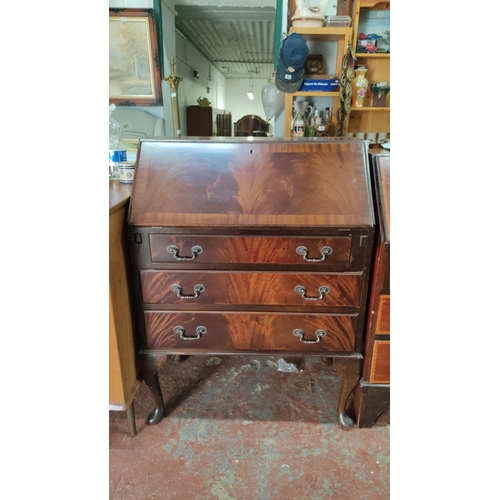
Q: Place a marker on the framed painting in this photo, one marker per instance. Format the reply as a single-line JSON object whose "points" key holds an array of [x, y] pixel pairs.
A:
{"points": [[134, 60]]}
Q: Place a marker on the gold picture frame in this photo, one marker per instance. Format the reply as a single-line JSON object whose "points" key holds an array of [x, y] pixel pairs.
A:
{"points": [[134, 62]]}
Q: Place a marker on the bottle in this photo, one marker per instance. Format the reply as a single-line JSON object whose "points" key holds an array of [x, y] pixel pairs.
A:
{"points": [[117, 151]]}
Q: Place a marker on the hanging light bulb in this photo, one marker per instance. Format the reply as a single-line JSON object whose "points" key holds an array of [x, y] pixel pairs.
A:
{"points": [[250, 93], [272, 98]]}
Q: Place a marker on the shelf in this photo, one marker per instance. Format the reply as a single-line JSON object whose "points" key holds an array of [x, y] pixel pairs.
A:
{"points": [[374, 108], [365, 55], [321, 33], [309, 93], [370, 4], [369, 118], [339, 36]]}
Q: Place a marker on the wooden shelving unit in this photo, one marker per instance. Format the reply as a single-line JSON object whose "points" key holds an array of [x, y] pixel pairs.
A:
{"points": [[370, 119], [340, 35]]}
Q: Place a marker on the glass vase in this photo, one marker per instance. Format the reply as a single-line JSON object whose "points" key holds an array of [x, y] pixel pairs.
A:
{"points": [[272, 98], [380, 91]]}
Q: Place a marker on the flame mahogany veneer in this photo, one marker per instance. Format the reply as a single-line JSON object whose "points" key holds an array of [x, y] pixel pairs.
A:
{"points": [[252, 246]]}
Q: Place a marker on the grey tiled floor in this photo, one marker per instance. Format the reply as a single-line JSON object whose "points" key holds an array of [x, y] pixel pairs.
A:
{"points": [[240, 429]]}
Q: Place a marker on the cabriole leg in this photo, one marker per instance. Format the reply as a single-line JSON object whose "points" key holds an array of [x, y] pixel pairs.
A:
{"points": [[151, 366], [349, 368]]}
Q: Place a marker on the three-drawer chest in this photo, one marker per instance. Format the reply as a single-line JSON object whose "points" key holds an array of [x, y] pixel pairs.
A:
{"points": [[252, 246]]}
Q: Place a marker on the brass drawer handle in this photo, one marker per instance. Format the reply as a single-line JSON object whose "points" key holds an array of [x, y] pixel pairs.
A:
{"points": [[175, 250], [200, 330], [319, 334], [178, 290], [323, 290], [324, 252]]}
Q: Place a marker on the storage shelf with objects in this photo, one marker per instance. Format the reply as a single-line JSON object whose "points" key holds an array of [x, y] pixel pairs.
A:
{"points": [[331, 43], [371, 19]]}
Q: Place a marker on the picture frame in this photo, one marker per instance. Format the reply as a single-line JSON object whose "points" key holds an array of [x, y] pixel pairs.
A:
{"points": [[134, 58]]}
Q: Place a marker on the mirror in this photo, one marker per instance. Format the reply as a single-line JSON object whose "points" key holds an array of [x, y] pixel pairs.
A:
{"points": [[231, 49]]}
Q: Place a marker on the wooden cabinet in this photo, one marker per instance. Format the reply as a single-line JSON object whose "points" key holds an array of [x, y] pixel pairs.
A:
{"points": [[123, 375], [251, 126], [369, 118], [205, 121], [252, 246], [332, 44], [372, 393]]}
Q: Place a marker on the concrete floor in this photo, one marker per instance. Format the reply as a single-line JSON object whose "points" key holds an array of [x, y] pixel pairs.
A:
{"points": [[239, 429]]}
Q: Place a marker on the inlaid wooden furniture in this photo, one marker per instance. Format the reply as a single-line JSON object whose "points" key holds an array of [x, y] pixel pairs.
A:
{"points": [[252, 246], [123, 375], [372, 395]]}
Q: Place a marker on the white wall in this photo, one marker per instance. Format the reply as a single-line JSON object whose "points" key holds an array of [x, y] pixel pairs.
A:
{"points": [[240, 104], [211, 83]]}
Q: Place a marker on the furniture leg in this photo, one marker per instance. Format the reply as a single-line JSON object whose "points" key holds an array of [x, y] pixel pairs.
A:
{"points": [[131, 419], [151, 366], [349, 368], [370, 401]]}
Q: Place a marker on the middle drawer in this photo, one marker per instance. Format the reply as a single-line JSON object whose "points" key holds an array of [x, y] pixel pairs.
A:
{"points": [[251, 288]]}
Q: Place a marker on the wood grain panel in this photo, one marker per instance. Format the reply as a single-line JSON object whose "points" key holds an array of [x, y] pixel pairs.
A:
{"points": [[381, 365], [234, 332], [122, 368], [242, 182], [384, 315], [384, 195], [249, 250], [245, 288]]}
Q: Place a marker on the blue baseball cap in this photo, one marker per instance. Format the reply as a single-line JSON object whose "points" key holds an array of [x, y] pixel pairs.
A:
{"points": [[291, 62]]}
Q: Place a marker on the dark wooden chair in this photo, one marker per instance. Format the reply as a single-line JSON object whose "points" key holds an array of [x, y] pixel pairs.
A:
{"points": [[251, 125]]}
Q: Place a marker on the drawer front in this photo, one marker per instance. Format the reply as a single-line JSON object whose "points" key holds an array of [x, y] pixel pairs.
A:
{"points": [[384, 315], [250, 288], [174, 249], [232, 332], [380, 372]]}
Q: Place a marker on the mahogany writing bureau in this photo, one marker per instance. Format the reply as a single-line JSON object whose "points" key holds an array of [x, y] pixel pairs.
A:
{"points": [[252, 246]]}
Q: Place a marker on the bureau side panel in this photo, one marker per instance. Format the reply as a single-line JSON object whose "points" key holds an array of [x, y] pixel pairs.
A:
{"points": [[122, 368]]}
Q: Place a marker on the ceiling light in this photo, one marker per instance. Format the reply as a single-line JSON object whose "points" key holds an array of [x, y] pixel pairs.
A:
{"points": [[250, 93]]}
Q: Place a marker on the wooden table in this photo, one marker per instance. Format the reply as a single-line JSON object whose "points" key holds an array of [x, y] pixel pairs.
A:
{"points": [[123, 379]]}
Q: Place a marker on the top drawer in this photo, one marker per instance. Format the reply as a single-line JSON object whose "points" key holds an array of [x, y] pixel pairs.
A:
{"points": [[173, 249]]}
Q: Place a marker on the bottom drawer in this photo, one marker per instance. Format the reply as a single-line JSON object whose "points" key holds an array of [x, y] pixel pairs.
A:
{"points": [[380, 372], [230, 332]]}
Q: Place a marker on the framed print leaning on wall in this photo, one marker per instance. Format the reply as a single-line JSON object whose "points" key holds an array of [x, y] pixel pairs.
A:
{"points": [[134, 62]]}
